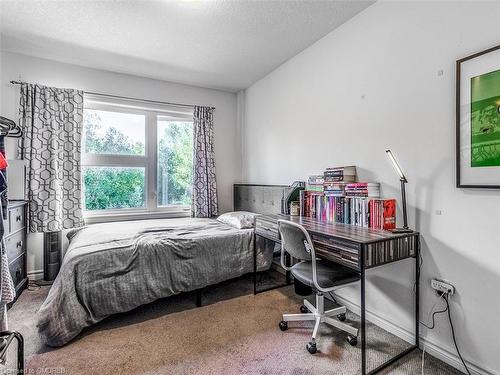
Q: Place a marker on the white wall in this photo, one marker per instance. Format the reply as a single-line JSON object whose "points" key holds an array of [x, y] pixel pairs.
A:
{"points": [[385, 79], [51, 73]]}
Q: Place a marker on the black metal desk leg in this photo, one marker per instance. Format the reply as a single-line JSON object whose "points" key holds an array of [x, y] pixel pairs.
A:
{"points": [[363, 317], [254, 264], [199, 293], [417, 292], [20, 352], [288, 263], [417, 314]]}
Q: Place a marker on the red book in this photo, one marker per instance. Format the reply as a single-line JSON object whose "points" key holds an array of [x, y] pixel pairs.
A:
{"points": [[389, 214]]}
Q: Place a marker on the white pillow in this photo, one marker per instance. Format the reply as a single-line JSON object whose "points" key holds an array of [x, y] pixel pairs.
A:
{"points": [[238, 219]]}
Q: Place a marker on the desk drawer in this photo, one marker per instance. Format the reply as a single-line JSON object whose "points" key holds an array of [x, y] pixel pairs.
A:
{"points": [[346, 258], [267, 229], [16, 218], [15, 245], [335, 243], [335, 249]]}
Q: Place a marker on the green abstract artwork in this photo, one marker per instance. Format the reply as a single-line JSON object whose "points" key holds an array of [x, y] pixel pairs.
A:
{"points": [[485, 120]]}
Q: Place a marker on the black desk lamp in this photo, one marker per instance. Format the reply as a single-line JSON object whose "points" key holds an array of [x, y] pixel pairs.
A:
{"points": [[403, 180]]}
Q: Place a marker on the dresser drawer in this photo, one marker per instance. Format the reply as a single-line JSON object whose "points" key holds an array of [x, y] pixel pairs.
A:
{"points": [[15, 245], [17, 270], [16, 218]]}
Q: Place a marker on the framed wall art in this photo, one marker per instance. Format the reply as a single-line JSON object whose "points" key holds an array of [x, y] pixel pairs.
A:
{"points": [[478, 120]]}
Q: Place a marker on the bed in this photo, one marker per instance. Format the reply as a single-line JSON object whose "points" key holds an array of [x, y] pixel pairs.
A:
{"points": [[115, 267]]}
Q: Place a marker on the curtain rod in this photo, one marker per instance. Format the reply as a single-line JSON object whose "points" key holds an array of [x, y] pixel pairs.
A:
{"points": [[128, 98]]}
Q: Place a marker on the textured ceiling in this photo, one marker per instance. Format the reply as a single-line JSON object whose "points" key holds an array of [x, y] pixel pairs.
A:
{"points": [[219, 44]]}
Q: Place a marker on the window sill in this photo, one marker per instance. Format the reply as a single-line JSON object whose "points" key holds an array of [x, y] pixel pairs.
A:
{"points": [[113, 217]]}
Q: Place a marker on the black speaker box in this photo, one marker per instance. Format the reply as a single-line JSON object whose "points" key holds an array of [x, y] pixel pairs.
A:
{"points": [[52, 248]]}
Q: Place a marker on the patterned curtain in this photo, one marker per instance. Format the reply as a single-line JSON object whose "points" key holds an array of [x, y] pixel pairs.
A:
{"points": [[204, 185], [52, 123]]}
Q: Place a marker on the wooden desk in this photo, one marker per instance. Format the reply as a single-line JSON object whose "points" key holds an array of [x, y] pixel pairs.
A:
{"points": [[359, 249]]}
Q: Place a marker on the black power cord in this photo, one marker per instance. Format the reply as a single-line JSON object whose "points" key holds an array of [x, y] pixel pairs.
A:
{"points": [[37, 284], [433, 324], [453, 335], [433, 317], [447, 309], [32, 285]]}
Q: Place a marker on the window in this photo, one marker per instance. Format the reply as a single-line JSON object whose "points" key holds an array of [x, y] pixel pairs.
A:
{"points": [[175, 161], [136, 158]]}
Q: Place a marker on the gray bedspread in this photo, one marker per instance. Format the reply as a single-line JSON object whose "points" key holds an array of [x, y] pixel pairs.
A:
{"points": [[115, 267]]}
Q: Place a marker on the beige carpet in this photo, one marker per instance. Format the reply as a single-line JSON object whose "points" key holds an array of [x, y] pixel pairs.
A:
{"points": [[233, 334]]}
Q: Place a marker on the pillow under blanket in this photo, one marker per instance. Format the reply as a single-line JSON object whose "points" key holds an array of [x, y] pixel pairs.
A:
{"points": [[238, 219]]}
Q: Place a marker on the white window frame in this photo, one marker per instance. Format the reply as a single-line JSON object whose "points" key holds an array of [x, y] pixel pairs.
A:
{"points": [[148, 161]]}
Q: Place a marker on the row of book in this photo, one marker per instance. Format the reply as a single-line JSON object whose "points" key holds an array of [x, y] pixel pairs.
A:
{"points": [[359, 211]]}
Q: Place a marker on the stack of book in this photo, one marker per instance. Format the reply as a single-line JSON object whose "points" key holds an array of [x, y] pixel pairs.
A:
{"points": [[336, 178], [315, 183], [334, 189], [336, 197], [363, 189], [340, 174]]}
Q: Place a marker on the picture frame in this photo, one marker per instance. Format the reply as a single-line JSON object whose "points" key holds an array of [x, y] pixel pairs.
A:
{"points": [[478, 120]]}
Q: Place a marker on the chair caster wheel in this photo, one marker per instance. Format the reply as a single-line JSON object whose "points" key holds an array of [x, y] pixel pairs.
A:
{"points": [[283, 325], [303, 309], [352, 340], [311, 347], [341, 317]]}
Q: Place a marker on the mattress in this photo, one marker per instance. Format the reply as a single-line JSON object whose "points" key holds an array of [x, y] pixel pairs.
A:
{"points": [[115, 267]]}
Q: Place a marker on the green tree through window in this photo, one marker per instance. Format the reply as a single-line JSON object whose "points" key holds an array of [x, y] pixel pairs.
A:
{"points": [[175, 162], [124, 187], [111, 141]]}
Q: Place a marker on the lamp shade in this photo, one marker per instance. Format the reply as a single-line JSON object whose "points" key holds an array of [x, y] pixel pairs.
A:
{"points": [[396, 166]]}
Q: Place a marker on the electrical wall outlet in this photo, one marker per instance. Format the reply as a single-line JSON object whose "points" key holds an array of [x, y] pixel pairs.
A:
{"points": [[442, 286]]}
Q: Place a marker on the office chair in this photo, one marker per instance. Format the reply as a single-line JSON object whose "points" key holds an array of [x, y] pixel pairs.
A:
{"points": [[322, 277]]}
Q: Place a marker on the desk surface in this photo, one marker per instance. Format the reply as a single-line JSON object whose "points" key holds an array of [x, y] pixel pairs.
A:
{"points": [[344, 231], [355, 247]]}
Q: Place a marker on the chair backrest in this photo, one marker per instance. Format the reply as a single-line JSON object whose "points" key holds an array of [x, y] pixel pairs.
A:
{"points": [[295, 240]]}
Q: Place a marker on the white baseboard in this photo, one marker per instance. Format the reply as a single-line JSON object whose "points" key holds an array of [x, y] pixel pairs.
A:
{"points": [[432, 348], [35, 275]]}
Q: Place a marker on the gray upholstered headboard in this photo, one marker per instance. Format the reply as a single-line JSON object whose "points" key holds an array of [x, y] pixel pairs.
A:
{"points": [[261, 199]]}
